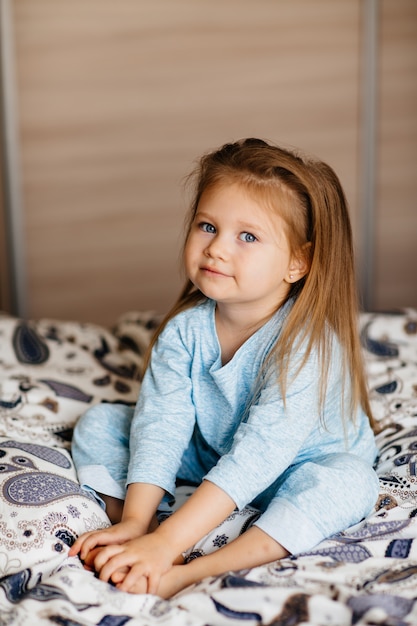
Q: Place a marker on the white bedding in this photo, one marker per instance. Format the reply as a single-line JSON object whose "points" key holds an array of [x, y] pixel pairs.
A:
{"points": [[50, 372]]}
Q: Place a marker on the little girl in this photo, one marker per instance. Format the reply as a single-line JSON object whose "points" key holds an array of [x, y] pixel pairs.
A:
{"points": [[254, 390]]}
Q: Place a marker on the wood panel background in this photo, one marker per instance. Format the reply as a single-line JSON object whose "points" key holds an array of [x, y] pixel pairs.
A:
{"points": [[5, 300], [117, 99], [396, 212]]}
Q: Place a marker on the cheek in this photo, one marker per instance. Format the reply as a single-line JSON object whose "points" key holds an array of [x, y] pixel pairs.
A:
{"points": [[189, 255], [268, 270], [186, 259], [253, 273]]}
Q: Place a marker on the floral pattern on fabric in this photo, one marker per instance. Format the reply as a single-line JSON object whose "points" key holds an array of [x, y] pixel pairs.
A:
{"points": [[50, 372]]}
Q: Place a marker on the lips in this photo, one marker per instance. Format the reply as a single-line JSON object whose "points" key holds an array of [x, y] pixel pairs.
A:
{"points": [[212, 271]]}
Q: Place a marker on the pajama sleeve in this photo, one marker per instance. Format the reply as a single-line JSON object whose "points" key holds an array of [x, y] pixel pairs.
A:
{"points": [[164, 416]]}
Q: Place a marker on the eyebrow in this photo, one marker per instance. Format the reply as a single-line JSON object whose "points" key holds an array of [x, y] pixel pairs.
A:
{"points": [[244, 226]]}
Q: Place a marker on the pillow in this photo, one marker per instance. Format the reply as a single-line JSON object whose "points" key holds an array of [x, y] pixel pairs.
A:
{"points": [[396, 467], [51, 372], [43, 509], [390, 349]]}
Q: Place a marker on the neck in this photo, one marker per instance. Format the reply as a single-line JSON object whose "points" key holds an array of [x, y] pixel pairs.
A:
{"points": [[234, 326]]}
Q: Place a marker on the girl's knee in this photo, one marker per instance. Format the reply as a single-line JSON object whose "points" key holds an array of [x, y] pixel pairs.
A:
{"points": [[354, 480], [104, 417], [340, 484], [87, 420], [101, 441], [101, 433]]}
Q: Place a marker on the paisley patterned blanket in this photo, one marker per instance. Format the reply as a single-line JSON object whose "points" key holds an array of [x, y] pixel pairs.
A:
{"points": [[50, 372]]}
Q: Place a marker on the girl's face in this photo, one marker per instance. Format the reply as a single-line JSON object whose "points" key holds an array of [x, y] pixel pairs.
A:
{"points": [[237, 252]]}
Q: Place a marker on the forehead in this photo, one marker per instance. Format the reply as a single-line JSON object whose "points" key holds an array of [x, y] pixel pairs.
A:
{"points": [[244, 204], [229, 196]]}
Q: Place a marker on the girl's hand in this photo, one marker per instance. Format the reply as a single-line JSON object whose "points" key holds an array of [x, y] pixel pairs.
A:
{"points": [[119, 533], [141, 562]]}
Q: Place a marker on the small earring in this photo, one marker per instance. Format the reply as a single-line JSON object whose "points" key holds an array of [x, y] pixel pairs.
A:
{"points": [[291, 276]]}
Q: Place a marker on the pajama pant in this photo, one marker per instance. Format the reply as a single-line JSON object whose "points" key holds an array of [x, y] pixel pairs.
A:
{"points": [[308, 503]]}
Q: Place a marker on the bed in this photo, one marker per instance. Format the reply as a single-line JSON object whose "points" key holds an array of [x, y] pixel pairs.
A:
{"points": [[52, 371]]}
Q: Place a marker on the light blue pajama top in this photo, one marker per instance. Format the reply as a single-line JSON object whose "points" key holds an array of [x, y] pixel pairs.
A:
{"points": [[193, 418]]}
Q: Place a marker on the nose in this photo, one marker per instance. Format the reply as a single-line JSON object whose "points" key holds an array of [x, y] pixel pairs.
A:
{"points": [[217, 248]]}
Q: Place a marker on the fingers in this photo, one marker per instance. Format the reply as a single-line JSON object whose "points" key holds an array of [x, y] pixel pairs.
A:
{"points": [[134, 566], [110, 559], [138, 581], [153, 583], [119, 576], [106, 562], [88, 541], [140, 586], [118, 533], [88, 562], [77, 546], [123, 569]]}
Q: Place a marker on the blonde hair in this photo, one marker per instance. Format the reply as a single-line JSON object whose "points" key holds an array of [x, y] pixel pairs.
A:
{"points": [[308, 196]]}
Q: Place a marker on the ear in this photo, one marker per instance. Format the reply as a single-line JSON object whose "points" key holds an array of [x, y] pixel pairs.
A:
{"points": [[299, 265]]}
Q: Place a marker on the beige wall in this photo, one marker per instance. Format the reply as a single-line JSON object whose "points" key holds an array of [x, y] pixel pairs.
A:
{"points": [[396, 211], [5, 299], [117, 99]]}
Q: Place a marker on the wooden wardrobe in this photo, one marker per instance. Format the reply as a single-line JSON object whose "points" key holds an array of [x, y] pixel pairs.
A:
{"points": [[106, 106]]}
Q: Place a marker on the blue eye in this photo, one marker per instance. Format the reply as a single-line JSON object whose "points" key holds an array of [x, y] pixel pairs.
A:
{"points": [[207, 228], [248, 237]]}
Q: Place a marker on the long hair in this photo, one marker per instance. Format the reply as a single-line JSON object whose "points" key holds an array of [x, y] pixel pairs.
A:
{"points": [[308, 196]]}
